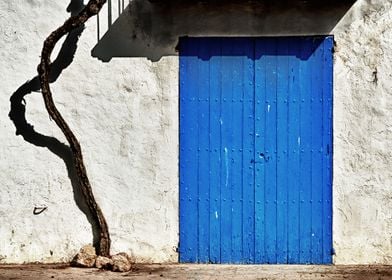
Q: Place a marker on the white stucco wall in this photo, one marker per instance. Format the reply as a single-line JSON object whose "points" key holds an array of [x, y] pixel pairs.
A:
{"points": [[363, 135], [125, 114]]}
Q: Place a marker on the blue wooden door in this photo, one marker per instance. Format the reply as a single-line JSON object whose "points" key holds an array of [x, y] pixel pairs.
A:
{"points": [[256, 150]]}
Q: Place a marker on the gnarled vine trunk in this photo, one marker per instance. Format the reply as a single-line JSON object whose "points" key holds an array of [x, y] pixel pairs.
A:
{"points": [[92, 8]]}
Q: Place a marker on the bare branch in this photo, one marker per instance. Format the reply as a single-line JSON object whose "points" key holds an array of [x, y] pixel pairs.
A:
{"points": [[92, 8]]}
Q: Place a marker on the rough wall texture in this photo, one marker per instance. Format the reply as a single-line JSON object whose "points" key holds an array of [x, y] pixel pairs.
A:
{"points": [[125, 114], [363, 135]]}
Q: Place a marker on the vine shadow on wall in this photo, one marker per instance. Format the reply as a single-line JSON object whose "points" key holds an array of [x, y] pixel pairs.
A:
{"points": [[18, 115], [151, 29]]}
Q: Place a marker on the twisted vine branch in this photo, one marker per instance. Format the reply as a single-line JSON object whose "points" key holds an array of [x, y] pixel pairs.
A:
{"points": [[92, 8]]}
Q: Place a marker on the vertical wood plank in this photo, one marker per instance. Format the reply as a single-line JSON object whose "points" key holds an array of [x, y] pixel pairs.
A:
{"points": [[227, 142], [203, 150], [184, 184], [188, 153], [316, 150], [328, 148], [260, 156], [248, 150], [306, 158], [293, 156], [270, 151], [238, 54], [215, 147], [282, 147]]}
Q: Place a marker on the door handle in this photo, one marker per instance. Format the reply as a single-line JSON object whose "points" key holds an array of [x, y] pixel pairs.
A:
{"points": [[263, 158]]}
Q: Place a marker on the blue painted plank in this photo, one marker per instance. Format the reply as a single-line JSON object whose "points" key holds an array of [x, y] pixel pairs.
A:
{"points": [[305, 155], [215, 146], [260, 156], [203, 150], [189, 159], [328, 148], [248, 123], [184, 185], [238, 47], [282, 147], [316, 150], [270, 151], [227, 142], [293, 155]]}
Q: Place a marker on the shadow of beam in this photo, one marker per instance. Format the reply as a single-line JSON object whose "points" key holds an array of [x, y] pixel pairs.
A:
{"points": [[151, 29], [18, 115]]}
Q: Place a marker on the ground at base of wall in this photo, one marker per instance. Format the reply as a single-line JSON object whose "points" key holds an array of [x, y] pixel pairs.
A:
{"points": [[194, 271]]}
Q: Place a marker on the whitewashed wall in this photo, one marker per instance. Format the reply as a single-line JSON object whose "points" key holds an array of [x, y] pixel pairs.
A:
{"points": [[125, 116], [125, 113], [363, 135]]}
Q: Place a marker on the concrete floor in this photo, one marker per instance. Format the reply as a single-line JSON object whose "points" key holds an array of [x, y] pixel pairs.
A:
{"points": [[194, 271]]}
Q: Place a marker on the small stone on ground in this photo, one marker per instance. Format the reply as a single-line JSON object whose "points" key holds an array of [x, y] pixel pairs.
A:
{"points": [[103, 263], [85, 257], [121, 262]]}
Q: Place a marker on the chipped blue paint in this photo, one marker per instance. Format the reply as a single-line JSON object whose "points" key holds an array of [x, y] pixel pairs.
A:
{"points": [[256, 150], [226, 167]]}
